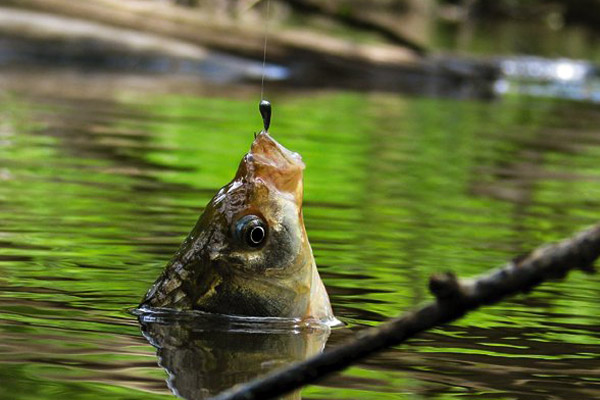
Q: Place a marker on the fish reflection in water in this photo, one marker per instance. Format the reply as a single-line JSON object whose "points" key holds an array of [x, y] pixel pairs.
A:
{"points": [[205, 354]]}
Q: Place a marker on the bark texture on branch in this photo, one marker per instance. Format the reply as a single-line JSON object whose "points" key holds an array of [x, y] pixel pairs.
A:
{"points": [[454, 298]]}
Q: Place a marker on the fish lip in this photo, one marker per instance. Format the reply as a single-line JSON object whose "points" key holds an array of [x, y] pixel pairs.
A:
{"points": [[267, 148], [271, 164]]}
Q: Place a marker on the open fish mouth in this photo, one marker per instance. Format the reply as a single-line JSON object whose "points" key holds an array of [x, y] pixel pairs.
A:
{"points": [[274, 165]]}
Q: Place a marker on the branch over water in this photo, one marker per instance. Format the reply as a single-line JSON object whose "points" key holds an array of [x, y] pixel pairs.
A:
{"points": [[454, 298]]}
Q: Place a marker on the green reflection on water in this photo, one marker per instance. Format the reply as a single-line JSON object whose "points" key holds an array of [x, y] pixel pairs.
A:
{"points": [[96, 195]]}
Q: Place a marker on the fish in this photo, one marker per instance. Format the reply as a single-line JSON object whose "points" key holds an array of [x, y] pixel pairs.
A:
{"points": [[249, 253]]}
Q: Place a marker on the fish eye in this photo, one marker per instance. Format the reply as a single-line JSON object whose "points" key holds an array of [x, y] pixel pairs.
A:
{"points": [[251, 230]]}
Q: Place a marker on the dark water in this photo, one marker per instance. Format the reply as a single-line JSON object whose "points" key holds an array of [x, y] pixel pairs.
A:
{"points": [[101, 177]]}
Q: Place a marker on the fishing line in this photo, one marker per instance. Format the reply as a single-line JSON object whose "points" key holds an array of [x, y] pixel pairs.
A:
{"points": [[262, 83], [265, 106]]}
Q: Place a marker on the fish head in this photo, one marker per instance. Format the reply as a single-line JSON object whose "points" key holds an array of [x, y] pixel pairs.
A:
{"points": [[249, 253]]}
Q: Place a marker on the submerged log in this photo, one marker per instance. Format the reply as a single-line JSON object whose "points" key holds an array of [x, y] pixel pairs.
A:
{"points": [[454, 298]]}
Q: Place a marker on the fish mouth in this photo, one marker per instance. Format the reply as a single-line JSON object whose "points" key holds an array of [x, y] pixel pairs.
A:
{"points": [[274, 165]]}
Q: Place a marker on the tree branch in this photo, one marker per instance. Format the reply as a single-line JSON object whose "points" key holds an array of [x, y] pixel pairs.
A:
{"points": [[362, 19], [454, 298]]}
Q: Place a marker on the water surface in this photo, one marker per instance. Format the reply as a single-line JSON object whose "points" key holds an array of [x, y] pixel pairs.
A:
{"points": [[101, 180]]}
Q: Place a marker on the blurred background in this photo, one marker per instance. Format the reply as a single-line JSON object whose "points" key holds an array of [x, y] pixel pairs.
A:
{"points": [[438, 135], [451, 48]]}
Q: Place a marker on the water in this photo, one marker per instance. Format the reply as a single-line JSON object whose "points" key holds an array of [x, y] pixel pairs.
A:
{"points": [[102, 176]]}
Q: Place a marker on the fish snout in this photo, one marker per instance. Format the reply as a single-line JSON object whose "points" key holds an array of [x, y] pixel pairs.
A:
{"points": [[274, 165]]}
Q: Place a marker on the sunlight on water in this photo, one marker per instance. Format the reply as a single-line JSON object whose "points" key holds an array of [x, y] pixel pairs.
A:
{"points": [[96, 193]]}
